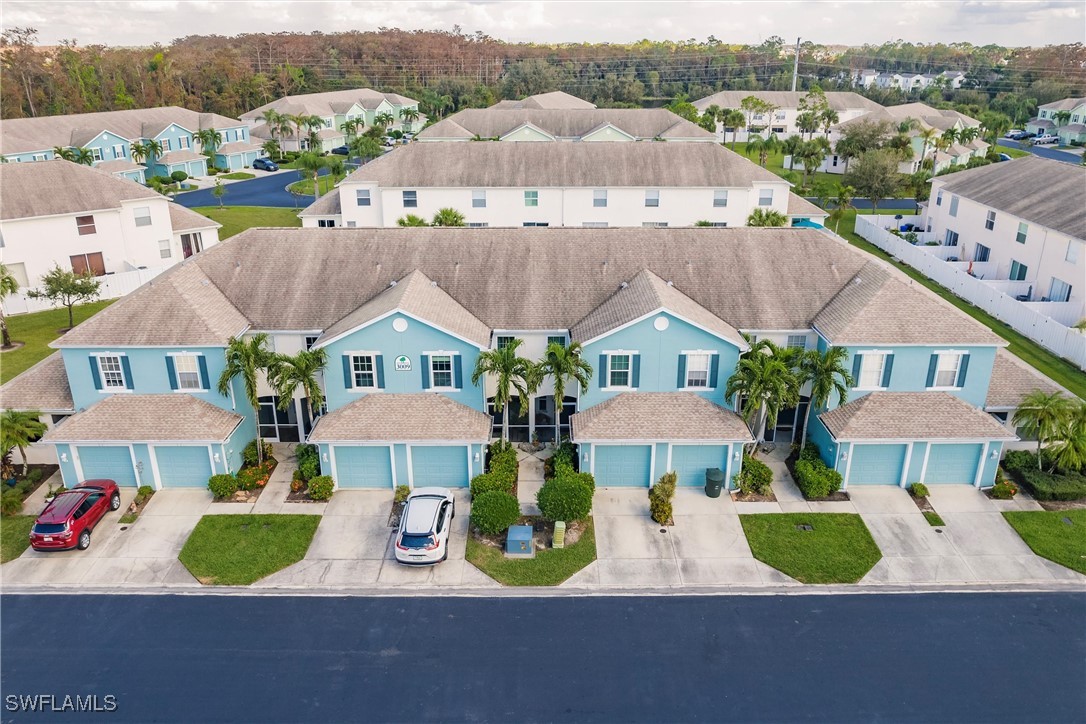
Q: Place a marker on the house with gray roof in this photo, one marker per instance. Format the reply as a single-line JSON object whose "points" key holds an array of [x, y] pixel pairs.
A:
{"points": [[554, 100], [786, 107], [661, 317], [530, 124], [1064, 118]]}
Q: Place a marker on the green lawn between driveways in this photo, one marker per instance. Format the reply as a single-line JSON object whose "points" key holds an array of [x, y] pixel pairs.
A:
{"points": [[548, 568], [1047, 535], [838, 549], [14, 536], [236, 219], [933, 519], [238, 176], [236, 550], [775, 163], [36, 331], [305, 186]]}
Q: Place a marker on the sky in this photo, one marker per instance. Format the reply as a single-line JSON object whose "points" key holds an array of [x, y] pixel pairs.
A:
{"points": [[143, 22]]}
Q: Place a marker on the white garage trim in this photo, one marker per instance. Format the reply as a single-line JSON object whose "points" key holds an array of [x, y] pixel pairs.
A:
{"points": [[335, 470], [980, 464], [924, 465], [410, 469], [848, 465], [652, 465], [154, 467], [905, 467], [392, 464]]}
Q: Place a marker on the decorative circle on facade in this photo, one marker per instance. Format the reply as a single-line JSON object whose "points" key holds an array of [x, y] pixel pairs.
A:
{"points": [[399, 324], [661, 323]]}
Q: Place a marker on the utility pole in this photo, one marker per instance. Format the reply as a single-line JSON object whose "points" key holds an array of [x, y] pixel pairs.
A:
{"points": [[795, 67]]}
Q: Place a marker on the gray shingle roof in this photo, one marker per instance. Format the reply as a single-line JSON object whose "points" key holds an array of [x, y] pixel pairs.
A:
{"points": [[42, 387], [381, 416], [183, 156], [1012, 380], [47, 188], [838, 100], [642, 295], [554, 100], [327, 205], [492, 164], [321, 104], [420, 297], [182, 219], [1038, 190], [799, 206], [912, 416], [646, 123], [1066, 104], [147, 418], [658, 416], [237, 147], [877, 308]]}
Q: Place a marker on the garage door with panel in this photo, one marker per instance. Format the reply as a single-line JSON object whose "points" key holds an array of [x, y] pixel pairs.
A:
{"points": [[876, 464], [183, 466], [622, 465], [441, 465], [110, 462], [691, 461], [363, 467], [953, 463]]}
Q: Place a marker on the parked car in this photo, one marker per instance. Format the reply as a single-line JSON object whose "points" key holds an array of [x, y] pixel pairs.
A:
{"points": [[423, 535], [341, 151], [266, 164], [68, 520], [388, 142], [1004, 157], [1045, 140]]}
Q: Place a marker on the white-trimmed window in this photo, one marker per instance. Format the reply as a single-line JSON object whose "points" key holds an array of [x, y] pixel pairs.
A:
{"points": [[478, 224], [1023, 230], [619, 370], [503, 342], [989, 220], [84, 225], [797, 341], [1018, 271], [953, 205], [119, 151], [363, 371], [165, 143], [654, 224], [326, 223], [720, 198], [310, 340], [96, 154], [531, 198], [1059, 291], [554, 339], [165, 248], [536, 223], [478, 199], [872, 368], [946, 369], [111, 372], [410, 199], [652, 198], [599, 198], [765, 197], [697, 370], [183, 142], [187, 369], [143, 215], [950, 238], [715, 224], [441, 371], [939, 198], [1072, 251], [362, 197]]}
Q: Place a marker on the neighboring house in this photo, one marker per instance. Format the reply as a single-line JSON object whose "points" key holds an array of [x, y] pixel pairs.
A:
{"points": [[334, 109], [782, 120], [559, 184], [604, 124], [109, 136], [1066, 119], [663, 317], [909, 81], [81, 218], [1023, 221], [554, 101]]}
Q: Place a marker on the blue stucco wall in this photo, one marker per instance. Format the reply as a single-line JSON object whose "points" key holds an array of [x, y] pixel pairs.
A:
{"points": [[106, 141], [67, 467], [29, 156], [910, 370]]}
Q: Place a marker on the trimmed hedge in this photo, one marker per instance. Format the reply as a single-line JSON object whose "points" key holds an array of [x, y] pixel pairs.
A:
{"points": [[566, 497], [321, 487], [222, 486], [502, 473], [565, 455], [755, 478], [918, 490], [1021, 466], [309, 460], [490, 481], [494, 511]]}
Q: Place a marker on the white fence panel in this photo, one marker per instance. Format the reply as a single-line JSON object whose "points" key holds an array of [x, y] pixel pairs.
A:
{"points": [[1023, 318], [113, 286]]}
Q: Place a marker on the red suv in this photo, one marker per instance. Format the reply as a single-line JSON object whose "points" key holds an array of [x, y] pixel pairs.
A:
{"points": [[68, 520]]}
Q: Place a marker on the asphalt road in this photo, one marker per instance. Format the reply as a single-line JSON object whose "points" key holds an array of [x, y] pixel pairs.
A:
{"points": [[264, 190], [1042, 151], [941, 657]]}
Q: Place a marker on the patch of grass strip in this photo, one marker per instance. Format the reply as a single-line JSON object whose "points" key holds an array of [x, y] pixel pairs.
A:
{"points": [[238, 176], [14, 536], [933, 519], [236, 550], [36, 330], [549, 567], [1049, 536], [236, 219], [837, 549]]}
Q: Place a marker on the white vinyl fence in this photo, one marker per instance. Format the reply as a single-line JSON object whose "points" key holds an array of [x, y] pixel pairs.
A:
{"points": [[1022, 317], [113, 286]]}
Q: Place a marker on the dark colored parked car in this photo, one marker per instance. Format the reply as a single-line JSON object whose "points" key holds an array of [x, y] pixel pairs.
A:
{"points": [[68, 520], [266, 164], [341, 151]]}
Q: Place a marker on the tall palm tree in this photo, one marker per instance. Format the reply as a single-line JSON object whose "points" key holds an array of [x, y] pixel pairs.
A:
{"points": [[766, 217], [565, 365], [8, 286], [64, 152], [1061, 118], [365, 148], [1069, 449], [828, 375], [409, 115], [272, 119], [247, 358], [83, 156], [512, 373], [448, 217], [829, 118], [209, 139], [929, 136], [768, 384], [139, 152], [384, 118], [789, 147], [811, 154], [153, 149], [18, 429], [271, 148], [351, 126], [763, 147], [289, 372], [295, 124], [968, 134], [842, 202], [1042, 415], [310, 164], [733, 118]]}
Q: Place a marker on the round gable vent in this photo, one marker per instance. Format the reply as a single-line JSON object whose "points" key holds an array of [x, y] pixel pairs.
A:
{"points": [[660, 323], [399, 324]]}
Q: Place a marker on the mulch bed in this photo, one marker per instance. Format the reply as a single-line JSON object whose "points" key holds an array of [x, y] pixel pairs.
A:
{"points": [[242, 496], [136, 506], [754, 498], [923, 504], [1062, 504], [542, 533], [302, 496], [395, 513]]}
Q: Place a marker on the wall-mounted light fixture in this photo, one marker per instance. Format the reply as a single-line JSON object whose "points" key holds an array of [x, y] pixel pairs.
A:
{"points": [[736, 455], [844, 456], [64, 457], [993, 455], [324, 457], [476, 457], [585, 457]]}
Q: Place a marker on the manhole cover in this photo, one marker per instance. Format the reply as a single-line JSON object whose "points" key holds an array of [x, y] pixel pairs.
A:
{"points": [[804, 526], [124, 527], [938, 530], [663, 530]]}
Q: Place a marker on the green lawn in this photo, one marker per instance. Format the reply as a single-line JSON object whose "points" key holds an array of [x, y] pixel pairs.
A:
{"points": [[775, 163], [236, 219], [14, 532], [549, 567], [236, 550], [1047, 535], [1059, 369], [933, 519], [238, 176], [1013, 152], [36, 331], [838, 549], [305, 186]]}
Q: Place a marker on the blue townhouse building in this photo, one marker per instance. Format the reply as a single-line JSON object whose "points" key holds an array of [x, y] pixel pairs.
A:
{"points": [[663, 316]]}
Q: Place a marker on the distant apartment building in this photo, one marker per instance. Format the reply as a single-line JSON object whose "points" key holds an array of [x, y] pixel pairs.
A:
{"points": [[589, 125], [908, 81], [782, 119], [1066, 119], [554, 101]]}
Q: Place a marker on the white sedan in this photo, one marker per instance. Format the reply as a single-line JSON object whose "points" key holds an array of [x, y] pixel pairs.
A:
{"points": [[423, 535]]}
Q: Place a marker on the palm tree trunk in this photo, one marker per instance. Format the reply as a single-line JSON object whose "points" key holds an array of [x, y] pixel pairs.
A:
{"points": [[22, 453], [803, 430], [557, 421], [1039, 469], [505, 422], [4, 329]]}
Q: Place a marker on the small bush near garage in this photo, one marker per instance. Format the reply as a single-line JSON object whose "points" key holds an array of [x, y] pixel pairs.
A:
{"points": [[179, 176], [661, 496], [502, 471], [236, 550], [248, 455], [1004, 490], [918, 490], [1046, 485], [14, 536], [488, 482], [565, 455], [815, 480], [755, 478], [308, 458], [321, 487], [494, 511], [1050, 536], [222, 486], [837, 549], [252, 477], [567, 497]]}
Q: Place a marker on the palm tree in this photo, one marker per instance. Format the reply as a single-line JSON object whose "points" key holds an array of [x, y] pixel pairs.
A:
{"points": [[1061, 118], [768, 384], [351, 126], [766, 217], [289, 372], [565, 365], [365, 148], [789, 147], [18, 429], [153, 149], [968, 134], [811, 154], [271, 148], [829, 118], [928, 136], [1042, 415], [8, 286], [448, 217], [209, 139], [384, 118], [512, 373], [409, 116], [733, 118], [763, 147], [842, 203], [411, 220], [310, 164], [294, 124], [139, 152], [828, 375], [63, 152], [1069, 450], [247, 358], [83, 156]]}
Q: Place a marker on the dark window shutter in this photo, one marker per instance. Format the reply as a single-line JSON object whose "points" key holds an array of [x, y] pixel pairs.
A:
{"points": [[933, 362], [205, 380], [171, 372], [887, 370], [857, 360], [963, 370], [458, 372], [348, 378], [379, 365], [94, 373], [603, 370], [424, 365], [635, 375], [682, 372], [714, 369], [127, 373]]}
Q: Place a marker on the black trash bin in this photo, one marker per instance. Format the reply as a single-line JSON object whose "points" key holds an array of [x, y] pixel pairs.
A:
{"points": [[714, 482]]}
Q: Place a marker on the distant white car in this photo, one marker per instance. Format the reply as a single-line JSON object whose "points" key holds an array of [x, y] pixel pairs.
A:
{"points": [[423, 536], [1045, 140]]}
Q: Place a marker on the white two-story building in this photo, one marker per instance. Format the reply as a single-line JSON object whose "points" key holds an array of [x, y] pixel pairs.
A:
{"points": [[781, 121]]}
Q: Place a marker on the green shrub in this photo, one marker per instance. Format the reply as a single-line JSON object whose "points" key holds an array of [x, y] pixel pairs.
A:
{"points": [[222, 486], [164, 180], [566, 497], [815, 480], [1019, 460], [565, 455], [494, 511], [1004, 490], [34, 475], [11, 502], [755, 478], [502, 473], [255, 476], [321, 487], [919, 490], [24, 486], [490, 481], [402, 491], [179, 176], [143, 493], [248, 455], [660, 497], [1051, 486], [308, 458]]}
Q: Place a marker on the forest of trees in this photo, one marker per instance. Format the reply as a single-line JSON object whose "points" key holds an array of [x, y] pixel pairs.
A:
{"points": [[447, 71]]}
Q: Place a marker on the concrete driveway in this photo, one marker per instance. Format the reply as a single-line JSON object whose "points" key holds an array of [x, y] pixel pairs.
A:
{"points": [[975, 545]]}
